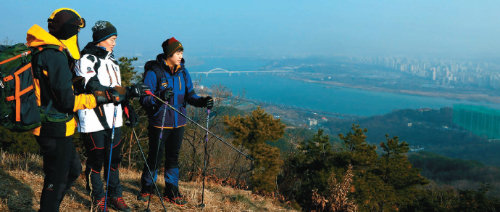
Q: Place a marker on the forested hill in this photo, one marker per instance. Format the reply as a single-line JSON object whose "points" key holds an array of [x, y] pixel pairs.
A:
{"points": [[426, 129]]}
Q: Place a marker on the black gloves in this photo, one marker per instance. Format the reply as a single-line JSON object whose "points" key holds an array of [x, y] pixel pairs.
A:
{"points": [[103, 97], [205, 101], [165, 94], [120, 94], [136, 90], [208, 102], [114, 95], [131, 116]]}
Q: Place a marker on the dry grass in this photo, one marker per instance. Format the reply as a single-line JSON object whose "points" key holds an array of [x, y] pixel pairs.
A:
{"points": [[337, 199], [21, 180]]}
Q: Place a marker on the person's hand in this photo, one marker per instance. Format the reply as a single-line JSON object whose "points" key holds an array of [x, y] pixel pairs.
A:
{"points": [[131, 116], [119, 94], [114, 95], [165, 94], [102, 97], [208, 102], [137, 90]]}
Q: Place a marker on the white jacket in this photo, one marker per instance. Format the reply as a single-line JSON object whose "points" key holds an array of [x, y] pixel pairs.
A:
{"points": [[108, 74]]}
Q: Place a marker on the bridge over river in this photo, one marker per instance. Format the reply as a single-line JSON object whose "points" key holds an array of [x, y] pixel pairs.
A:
{"points": [[224, 71]]}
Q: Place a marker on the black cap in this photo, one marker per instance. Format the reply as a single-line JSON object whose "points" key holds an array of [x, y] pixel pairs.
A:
{"points": [[102, 30], [65, 23], [170, 46]]}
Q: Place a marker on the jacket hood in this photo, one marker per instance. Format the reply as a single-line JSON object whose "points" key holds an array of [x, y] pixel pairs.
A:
{"points": [[92, 49], [37, 36], [72, 46]]}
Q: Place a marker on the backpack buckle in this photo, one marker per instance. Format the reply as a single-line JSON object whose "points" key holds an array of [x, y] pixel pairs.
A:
{"points": [[1, 84]]}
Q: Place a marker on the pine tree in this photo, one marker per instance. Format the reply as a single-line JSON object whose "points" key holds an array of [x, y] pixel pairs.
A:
{"points": [[370, 191], [307, 172], [127, 71], [252, 132], [360, 154], [397, 171]]}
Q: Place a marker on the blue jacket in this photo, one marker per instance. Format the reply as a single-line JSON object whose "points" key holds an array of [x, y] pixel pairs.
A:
{"points": [[158, 76]]}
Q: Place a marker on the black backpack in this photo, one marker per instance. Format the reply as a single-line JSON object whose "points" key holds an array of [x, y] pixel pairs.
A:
{"points": [[19, 109]]}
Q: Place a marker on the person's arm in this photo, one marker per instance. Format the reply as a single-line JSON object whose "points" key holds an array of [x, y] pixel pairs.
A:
{"points": [[191, 97], [150, 81], [60, 78]]}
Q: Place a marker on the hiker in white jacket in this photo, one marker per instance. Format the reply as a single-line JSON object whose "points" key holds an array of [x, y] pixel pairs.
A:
{"points": [[101, 71]]}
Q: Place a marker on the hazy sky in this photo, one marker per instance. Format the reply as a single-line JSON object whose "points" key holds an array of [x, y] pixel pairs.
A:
{"points": [[281, 28]]}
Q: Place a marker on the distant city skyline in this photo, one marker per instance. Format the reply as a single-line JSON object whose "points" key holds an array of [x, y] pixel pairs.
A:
{"points": [[276, 29]]}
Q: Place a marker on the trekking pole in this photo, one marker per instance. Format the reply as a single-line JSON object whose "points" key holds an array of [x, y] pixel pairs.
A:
{"points": [[157, 152], [199, 125], [149, 170], [205, 163], [110, 154]]}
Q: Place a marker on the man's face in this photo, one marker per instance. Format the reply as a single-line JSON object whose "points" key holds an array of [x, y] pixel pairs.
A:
{"points": [[176, 58], [109, 43]]}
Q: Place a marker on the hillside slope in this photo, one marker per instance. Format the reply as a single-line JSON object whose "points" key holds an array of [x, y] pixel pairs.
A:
{"points": [[21, 180]]}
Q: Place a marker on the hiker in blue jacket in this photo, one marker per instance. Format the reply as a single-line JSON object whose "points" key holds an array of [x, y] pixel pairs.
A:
{"points": [[168, 79]]}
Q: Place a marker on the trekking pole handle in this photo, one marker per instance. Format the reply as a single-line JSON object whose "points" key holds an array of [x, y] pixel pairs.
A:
{"points": [[199, 125]]}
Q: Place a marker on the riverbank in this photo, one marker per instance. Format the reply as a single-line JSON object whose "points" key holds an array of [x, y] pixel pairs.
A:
{"points": [[474, 97]]}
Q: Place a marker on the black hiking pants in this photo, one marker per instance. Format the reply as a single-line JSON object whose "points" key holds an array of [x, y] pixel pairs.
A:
{"points": [[97, 145], [170, 143], [61, 166]]}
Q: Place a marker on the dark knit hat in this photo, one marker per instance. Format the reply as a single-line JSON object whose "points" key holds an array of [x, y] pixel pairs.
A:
{"points": [[170, 46], [64, 23], [102, 30]]}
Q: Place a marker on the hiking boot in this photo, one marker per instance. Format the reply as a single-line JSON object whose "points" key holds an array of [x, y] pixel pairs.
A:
{"points": [[98, 205], [173, 195], [143, 196], [118, 203], [179, 201]]}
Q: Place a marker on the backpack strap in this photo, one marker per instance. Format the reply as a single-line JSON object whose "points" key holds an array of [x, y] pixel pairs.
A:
{"points": [[101, 116], [38, 49], [159, 75]]}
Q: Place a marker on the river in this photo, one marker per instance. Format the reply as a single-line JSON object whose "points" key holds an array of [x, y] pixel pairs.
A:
{"points": [[281, 90]]}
